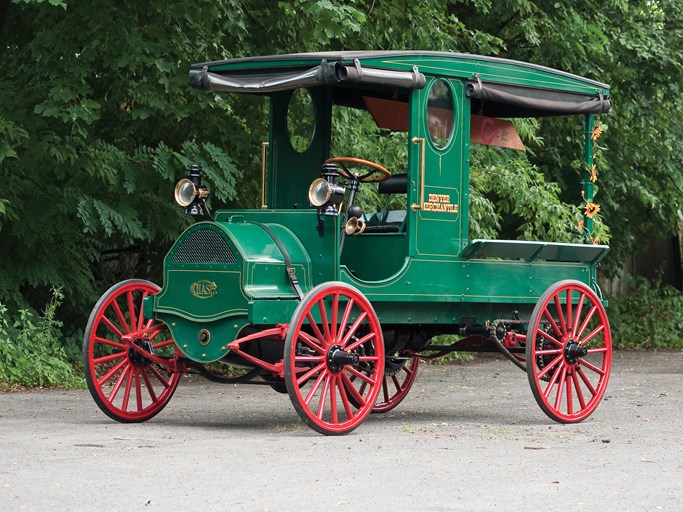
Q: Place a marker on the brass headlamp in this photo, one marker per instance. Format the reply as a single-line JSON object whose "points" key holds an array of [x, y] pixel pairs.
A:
{"points": [[190, 193], [325, 193]]}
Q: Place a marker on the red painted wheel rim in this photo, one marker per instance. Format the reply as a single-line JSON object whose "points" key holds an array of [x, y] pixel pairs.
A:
{"points": [[125, 385], [334, 319], [569, 351], [396, 384]]}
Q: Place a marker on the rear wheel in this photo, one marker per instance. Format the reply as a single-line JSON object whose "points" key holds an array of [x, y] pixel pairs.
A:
{"points": [[118, 347], [568, 351], [399, 374], [334, 358]]}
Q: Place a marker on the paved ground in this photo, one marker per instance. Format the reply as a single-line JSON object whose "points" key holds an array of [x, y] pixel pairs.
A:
{"points": [[468, 437]]}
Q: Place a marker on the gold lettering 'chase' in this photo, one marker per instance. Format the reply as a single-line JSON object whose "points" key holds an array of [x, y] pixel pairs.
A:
{"points": [[204, 289], [439, 203]]}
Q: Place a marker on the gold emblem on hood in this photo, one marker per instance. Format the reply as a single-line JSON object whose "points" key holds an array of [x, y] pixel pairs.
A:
{"points": [[204, 289]]}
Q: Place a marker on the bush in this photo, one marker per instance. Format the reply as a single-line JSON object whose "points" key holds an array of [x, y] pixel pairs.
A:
{"points": [[30, 352], [651, 317]]}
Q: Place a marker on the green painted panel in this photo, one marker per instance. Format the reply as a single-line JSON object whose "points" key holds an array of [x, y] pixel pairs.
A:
{"points": [[374, 257], [289, 172], [441, 219], [202, 340], [202, 294], [322, 252], [458, 283], [518, 249]]}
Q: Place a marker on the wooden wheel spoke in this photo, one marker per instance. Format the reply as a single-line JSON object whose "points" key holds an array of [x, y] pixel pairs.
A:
{"points": [[309, 374], [148, 385], [586, 381], [356, 394], [550, 366], [385, 389], [131, 310], [311, 342], [568, 385], [309, 359], [138, 390], [579, 393], [141, 318], [408, 370], [111, 373], [323, 319], [111, 343], [396, 382], [119, 381], [354, 327], [560, 315], [112, 327], [548, 337], [344, 320], [159, 377], [570, 314], [560, 387], [323, 396], [553, 379], [164, 343], [577, 319], [119, 316], [316, 329], [552, 323], [586, 320], [591, 366], [344, 397], [335, 314], [333, 398], [110, 357], [126, 391], [361, 341], [315, 387], [592, 334], [360, 375]]}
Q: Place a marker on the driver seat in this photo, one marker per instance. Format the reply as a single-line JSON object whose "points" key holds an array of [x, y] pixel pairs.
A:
{"points": [[390, 221]]}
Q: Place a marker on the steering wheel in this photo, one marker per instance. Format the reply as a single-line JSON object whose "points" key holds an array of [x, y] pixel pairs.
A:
{"points": [[365, 178]]}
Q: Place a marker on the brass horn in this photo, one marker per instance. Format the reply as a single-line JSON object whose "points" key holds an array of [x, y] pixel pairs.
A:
{"points": [[354, 226]]}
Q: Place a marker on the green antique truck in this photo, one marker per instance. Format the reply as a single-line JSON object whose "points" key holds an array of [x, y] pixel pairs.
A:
{"points": [[333, 303]]}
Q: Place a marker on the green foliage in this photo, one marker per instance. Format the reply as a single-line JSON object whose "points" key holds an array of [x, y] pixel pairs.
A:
{"points": [[30, 352], [104, 126], [651, 317], [97, 122]]}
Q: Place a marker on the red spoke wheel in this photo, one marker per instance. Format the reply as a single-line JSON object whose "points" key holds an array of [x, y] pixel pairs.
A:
{"points": [[568, 351], [127, 385], [399, 374], [334, 358]]}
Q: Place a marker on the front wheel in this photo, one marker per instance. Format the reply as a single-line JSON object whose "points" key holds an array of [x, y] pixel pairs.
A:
{"points": [[568, 351], [334, 358], [128, 359]]}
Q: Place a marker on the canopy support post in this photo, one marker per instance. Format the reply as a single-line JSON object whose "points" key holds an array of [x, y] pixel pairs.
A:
{"points": [[588, 164]]}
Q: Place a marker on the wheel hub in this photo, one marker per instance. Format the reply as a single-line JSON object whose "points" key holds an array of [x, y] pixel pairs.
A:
{"points": [[573, 351], [338, 358], [136, 357]]}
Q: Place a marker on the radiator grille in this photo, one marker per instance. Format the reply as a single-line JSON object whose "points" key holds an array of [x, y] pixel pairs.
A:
{"points": [[204, 246]]}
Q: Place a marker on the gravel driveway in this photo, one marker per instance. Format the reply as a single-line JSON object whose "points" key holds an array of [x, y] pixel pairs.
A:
{"points": [[468, 437]]}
